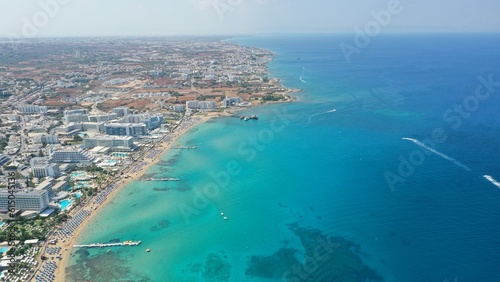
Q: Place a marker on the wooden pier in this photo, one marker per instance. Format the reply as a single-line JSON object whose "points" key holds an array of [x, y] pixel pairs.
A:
{"points": [[101, 245], [185, 147], [159, 179]]}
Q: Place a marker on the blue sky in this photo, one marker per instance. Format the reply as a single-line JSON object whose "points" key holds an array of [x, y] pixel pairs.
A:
{"points": [[211, 17]]}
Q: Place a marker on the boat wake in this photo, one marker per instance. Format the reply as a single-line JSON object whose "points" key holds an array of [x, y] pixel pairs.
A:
{"points": [[302, 79], [438, 153], [327, 112], [322, 113], [492, 180]]}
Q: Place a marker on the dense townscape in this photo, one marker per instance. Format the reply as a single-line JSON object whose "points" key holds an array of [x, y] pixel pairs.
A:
{"points": [[79, 117]]}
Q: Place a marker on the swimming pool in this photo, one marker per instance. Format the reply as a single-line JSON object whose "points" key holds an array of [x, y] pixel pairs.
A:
{"points": [[78, 195], [119, 155], [109, 163], [64, 204], [82, 185], [78, 174], [4, 249]]}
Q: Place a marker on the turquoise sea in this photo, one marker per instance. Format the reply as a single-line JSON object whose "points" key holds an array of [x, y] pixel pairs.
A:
{"points": [[326, 188]]}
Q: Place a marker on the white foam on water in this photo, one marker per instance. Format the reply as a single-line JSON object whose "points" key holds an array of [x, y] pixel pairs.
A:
{"points": [[322, 113], [438, 153], [301, 78], [492, 180]]}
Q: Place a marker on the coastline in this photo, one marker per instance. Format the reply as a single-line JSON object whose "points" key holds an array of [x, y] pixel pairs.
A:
{"points": [[164, 147]]}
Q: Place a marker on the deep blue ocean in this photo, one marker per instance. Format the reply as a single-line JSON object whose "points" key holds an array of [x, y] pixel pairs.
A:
{"points": [[326, 188]]}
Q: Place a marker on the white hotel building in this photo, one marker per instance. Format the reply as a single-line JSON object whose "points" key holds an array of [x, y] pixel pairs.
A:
{"points": [[32, 109], [26, 200], [201, 105], [125, 129], [116, 143], [72, 156], [41, 167]]}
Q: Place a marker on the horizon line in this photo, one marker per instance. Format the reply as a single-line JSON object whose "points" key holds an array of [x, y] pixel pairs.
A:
{"points": [[232, 35]]}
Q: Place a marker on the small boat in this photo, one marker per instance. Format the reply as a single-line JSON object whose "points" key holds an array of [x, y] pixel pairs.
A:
{"points": [[148, 250], [255, 117], [225, 218]]}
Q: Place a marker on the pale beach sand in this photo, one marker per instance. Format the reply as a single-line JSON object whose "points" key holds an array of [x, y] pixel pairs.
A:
{"points": [[161, 146]]}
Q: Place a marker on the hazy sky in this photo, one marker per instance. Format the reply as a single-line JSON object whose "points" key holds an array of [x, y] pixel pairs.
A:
{"points": [[27, 18]]}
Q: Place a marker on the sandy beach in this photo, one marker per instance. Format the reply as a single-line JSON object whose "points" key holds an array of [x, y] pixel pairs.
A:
{"points": [[141, 166]]}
